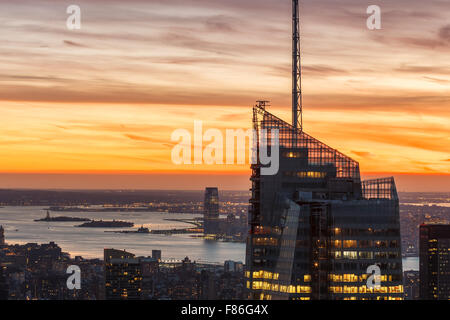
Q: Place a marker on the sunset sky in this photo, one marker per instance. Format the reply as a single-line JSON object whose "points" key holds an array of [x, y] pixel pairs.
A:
{"points": [[96, 107]]}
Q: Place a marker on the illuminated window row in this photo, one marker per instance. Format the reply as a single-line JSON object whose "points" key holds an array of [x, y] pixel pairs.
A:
{"points": [[350, 232], [265, 241], [365, 289], [344, 277], [265, 275], [269, 297], [293, 154], [263, 285], [364, 244], [378, 298], [352, 255], [356, 278], [266, 230], [306, 174]]}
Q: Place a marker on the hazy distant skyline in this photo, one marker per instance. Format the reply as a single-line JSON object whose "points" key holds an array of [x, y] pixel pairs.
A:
{"points": [[105, 99]]}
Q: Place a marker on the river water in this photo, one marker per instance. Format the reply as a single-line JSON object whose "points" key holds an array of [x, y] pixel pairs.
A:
{"points": [[90, 242]]}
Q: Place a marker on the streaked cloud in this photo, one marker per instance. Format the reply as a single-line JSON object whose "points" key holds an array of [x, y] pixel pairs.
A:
{"points": [[73, 43], [108, 96], [444, 33]]}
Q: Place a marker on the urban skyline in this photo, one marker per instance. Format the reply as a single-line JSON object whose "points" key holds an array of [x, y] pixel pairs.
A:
{"points": [[131, 124]]}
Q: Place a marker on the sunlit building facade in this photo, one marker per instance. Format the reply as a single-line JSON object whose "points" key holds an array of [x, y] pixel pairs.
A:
{"points": [[315, 228]]}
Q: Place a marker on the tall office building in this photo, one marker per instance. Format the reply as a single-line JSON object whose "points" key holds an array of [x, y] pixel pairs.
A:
{"points": [[434, 262], [109, 254], [156, 254], [211, 211], [3, 284], [411, 282], [123, 275], [315, 228], [2, 236], [233, 266]]}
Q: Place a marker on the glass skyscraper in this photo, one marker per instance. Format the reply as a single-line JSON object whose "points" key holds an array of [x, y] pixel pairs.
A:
{"points": [[211, 211], [315, 227], [435, 262]]}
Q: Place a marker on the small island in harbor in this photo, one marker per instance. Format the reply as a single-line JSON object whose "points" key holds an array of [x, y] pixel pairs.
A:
{"points": [[61, 219], [140, 230], [107, 224]]}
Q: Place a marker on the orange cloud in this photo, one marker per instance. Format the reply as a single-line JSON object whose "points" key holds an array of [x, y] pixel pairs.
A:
{"points": [[106, 98]]}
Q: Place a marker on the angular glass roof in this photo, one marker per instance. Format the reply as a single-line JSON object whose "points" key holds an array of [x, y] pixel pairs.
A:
{"points": [[318, 153]]}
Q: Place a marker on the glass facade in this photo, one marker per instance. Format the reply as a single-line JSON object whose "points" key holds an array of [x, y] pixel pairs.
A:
{"points": [[211, 211], [315, 228], [435, 261]]}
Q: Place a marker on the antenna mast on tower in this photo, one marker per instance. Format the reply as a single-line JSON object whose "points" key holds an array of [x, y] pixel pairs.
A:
{"points": [[297, 117]]}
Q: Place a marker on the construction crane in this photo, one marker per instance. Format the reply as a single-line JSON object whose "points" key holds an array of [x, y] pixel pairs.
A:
{"points": [[297, 103]]}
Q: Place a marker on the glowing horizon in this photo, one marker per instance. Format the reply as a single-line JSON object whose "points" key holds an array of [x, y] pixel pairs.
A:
{"points": [[106, 98]]}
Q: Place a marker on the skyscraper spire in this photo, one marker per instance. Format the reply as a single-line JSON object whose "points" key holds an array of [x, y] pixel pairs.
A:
{"points": [[297, 118]]}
